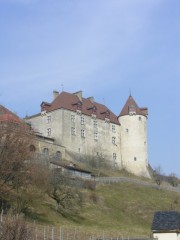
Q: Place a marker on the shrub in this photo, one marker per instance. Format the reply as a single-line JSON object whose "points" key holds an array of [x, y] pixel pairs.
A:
{"points": [[91, 185], [93, 197], [14, 228]]}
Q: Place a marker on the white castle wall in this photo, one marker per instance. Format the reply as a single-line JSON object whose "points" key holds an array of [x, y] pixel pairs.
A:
{"points": [[129, 150], [134, 144], [61, 125]]}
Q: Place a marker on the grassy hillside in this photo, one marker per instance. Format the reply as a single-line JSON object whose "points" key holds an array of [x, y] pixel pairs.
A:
{"points": [[121, 208]]}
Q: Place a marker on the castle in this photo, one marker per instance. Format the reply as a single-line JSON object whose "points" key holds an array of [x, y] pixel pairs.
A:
{"points": [[78, 128]]}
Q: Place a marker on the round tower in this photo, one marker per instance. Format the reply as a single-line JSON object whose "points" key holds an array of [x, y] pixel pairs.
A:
{"points": [[133, 132]]}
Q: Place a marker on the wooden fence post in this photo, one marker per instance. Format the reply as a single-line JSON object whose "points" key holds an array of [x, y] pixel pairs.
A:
{"points": [[44, 232], [52, 233], [2, 215]]}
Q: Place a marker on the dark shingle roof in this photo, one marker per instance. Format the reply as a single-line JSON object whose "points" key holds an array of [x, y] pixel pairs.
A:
{"points": [[130, 103], [71, 102], [166, 220]]}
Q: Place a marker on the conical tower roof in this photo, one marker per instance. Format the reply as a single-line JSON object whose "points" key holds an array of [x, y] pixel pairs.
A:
{"points": [[131, 108]]}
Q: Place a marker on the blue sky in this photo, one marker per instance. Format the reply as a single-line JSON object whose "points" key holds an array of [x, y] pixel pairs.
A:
{"points": [[102, 47]]}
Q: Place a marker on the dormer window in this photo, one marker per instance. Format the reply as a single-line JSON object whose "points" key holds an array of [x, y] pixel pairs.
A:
{"points": [[45, 106], [94, 110], [79, 105], [132, 110], [107, 114]]}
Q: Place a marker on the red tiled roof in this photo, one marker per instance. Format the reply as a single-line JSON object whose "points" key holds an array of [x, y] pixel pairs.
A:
{"points": [[8, 116], [72, 102], [132, 105]]}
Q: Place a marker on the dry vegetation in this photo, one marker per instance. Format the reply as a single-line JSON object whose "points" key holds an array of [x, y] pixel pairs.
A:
{"points": [[51, 198]]}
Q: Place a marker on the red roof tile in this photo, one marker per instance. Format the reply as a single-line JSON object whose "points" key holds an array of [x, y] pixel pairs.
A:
{"points": [[70, 101], [8, 116]]}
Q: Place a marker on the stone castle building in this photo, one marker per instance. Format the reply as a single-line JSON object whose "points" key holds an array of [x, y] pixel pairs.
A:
{"points": [[78, 128]]}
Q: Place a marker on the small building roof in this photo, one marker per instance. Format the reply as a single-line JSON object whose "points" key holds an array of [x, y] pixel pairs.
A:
{"points": [[69, 167], [8, 116], [166, 221], [131, 104]]}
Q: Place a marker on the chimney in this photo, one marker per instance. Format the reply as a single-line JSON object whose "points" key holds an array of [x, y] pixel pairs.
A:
{"points": [[79, 95], [55, 94], [91, 99]]}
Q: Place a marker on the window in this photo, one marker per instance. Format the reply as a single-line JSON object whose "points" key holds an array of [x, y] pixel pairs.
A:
{"points": [[82, 133], [82, 121], [45, 151], [114, 140], [113, 128], [114, 156], [48, 119], [127, 130], [135, 158], [95, 123], [32, 148], [107, 120], [140, 118], [58, 154], [79, 105], [94, 110], [49, 131], [95, 136], [107, 114], [72, 118], [73, 131], [132, 110]]}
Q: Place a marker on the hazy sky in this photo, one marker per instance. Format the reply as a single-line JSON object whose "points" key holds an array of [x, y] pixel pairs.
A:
{"points": [[102, 47]]}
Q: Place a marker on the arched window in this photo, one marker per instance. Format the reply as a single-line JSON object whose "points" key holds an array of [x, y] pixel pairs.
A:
{"points": [[32, 148], [45, 151], [58, 154]]}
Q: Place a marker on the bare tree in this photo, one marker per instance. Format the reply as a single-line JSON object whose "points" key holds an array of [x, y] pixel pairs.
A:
{"points": [[173, 179], [157, 175], [15, 153]]}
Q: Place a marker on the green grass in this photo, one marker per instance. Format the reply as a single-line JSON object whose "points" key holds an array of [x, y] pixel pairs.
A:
{"points": [[121, 208]]}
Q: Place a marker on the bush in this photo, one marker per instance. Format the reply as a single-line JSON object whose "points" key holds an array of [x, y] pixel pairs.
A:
{"points": [[94, 197], [91, 185]]}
